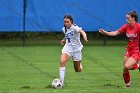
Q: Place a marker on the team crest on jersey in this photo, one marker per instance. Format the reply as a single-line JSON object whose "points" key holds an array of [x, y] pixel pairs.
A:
{"points": [[69, 35], [131, 36]]}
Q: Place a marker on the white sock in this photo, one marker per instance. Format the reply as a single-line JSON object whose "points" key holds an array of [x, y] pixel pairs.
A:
{"points": [[62, 73]]}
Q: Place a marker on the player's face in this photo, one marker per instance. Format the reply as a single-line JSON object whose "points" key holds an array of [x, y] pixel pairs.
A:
{"points": [[67, 22], [129, 19]]}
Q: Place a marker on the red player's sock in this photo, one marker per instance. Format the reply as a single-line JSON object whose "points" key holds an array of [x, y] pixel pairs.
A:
{"points": [[126, 77]]}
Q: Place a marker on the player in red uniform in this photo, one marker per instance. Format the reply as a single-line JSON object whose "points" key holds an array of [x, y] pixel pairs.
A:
{"points": [[132, 54]]}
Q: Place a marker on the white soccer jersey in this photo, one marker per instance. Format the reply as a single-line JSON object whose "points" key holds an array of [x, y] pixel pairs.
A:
{"points": [[72, 36]]}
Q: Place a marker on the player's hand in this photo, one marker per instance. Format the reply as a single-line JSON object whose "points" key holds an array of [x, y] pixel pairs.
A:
{"points": [[102, 31], [86, 40], [62, 42]]}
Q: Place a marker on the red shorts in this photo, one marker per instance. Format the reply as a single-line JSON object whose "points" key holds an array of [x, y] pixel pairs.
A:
{"points": [[135, 55]]}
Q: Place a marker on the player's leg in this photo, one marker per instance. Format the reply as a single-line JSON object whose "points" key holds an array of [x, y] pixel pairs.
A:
{"points": [[77, 66], [126, 75], [136, 57], [128, 63], [76, 57], [64, 59]]}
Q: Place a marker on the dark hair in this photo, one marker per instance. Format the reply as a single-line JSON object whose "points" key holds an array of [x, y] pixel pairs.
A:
{"points": [[134, 15], [69, 17]]}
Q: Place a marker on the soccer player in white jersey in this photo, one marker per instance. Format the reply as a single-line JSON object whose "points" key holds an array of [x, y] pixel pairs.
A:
{"points": [[72, 46]]}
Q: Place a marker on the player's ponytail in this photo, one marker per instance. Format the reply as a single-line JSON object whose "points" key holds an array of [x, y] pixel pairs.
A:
{"points": [[134, 11], [133, 14], [65, 29]]}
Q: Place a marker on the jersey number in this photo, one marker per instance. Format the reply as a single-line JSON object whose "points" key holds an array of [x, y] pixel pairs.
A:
{"points": [[68, 40]]}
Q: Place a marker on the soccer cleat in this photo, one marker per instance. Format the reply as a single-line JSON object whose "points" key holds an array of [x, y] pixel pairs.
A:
{"points": [[128, 84]]}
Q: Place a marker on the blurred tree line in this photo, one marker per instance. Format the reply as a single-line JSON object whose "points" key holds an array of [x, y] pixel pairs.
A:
{"points": [[53, 36]]}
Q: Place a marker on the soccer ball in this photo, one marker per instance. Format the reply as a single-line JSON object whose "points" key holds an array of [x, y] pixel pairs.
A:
{"points": [[57, 84]]}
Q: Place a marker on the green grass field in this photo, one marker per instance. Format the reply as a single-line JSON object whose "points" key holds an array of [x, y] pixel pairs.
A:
{"points": [[31, 69]]}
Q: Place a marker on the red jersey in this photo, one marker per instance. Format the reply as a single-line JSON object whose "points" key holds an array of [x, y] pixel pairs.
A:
{"points": [[133, 34]]}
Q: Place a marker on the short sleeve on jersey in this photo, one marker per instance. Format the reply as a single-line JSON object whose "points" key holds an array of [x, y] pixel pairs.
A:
{"points": [[63, 29], [77, 28], [122, 29]]}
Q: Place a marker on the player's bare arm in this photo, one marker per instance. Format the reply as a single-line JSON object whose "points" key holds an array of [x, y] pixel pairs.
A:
{"points": [[84, 35], [112, 33]]}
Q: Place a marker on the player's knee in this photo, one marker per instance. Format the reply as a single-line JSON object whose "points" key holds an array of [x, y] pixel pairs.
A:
{"points": [[127, 66], [62, 63]]}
